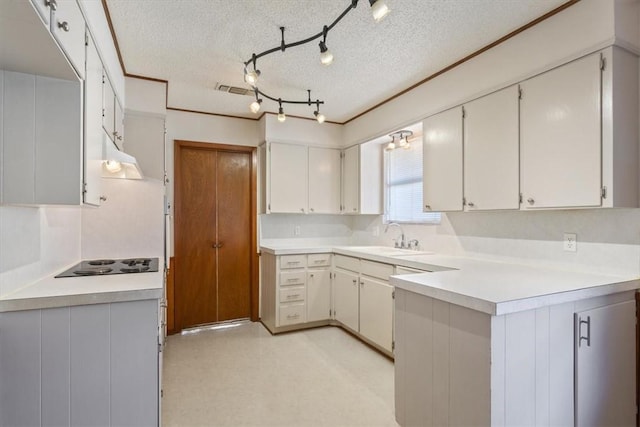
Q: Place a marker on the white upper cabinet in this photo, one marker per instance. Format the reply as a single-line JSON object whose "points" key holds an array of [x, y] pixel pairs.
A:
{"points": [[561, 136], [288, 172], [68, 28], [324, 180], [362, 179], [491, 152], [42, 140], [351, 180], [301, 179], [442, 154], [93, 149]]}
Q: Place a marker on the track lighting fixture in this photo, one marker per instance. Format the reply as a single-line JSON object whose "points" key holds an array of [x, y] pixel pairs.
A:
{"points": [[403, 140], [379, 10]]}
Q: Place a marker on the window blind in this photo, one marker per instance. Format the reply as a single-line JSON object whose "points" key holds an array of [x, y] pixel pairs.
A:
{"points": [[403, 186]]}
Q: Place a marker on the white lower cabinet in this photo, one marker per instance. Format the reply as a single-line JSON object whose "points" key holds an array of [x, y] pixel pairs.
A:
{"points": [[81, 365], [376, 311], [296, 291], [346, 299], [604, 366], [363, 299]]}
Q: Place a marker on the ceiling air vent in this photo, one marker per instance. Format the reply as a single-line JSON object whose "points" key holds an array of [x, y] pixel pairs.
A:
{"points": [[234, 90]]}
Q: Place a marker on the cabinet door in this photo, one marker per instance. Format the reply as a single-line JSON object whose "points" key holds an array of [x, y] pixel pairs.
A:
{"points": [[43, 9], [93, 127], [287, 178], [351, 180], [345, 299], [491, 152], [324, 180], [108, 106], [376, 311], [442, 161], [605, 366], [318, 295], [561, 138], [68, 27]]}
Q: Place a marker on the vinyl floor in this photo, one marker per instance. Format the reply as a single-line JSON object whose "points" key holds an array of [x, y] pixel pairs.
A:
{"points": [[243, 376]]}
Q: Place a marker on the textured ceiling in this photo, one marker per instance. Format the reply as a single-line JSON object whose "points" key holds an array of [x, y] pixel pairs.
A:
{"points": [[196, 44]]}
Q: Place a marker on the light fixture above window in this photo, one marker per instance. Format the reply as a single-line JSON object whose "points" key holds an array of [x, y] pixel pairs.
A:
{"points": [[403, 140], [379, 10]]}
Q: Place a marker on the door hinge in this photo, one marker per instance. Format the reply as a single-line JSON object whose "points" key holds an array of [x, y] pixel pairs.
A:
{"points": [[393, 294], [269, 207], [464, 113], [603, 63], [84, 188], [393, 345], [86, 39], [464, 201], [604, 192], [519, 92], [520, 198]]}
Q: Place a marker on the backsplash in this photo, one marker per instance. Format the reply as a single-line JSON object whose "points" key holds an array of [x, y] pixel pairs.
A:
{"points": [[35, 242]]}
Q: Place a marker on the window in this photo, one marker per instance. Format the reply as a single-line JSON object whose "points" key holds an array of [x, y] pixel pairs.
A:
{"points": [[403, 186]]}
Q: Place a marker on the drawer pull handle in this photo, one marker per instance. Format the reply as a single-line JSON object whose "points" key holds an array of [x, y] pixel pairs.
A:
{"points": [[295, 279], [292, 316], [293, 262], [318, 261], [293, 296]]}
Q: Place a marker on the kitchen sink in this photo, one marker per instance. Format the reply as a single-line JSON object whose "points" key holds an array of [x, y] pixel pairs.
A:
{"points": [[385, 250]]}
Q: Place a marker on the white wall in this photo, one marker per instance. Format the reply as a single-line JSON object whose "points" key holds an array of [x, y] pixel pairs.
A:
{"points": [[146, 96], [35, 242], [128, 224]]}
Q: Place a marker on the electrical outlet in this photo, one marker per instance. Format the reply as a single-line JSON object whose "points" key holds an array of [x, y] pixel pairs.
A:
{"points": [[570, 242], [296, 230], [376, 231]]}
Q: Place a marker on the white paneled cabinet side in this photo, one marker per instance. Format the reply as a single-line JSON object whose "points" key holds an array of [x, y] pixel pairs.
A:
{"points": [[93, 134]]}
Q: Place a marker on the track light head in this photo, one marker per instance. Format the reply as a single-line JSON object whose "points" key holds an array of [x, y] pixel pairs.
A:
{"points": [[319, 116], [255, 106], [251, 77], [326, 57], [281, 116], [379, 9]]}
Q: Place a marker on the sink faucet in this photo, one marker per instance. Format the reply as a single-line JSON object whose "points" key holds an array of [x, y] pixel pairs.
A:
{"points": [[402, 243]]}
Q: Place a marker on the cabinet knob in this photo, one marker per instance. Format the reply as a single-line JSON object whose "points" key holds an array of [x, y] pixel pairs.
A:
{"points": [[355, 281], [53, 4], [311, 209], [301, 209], [470, 204], [428, 207], [103, 198], [530, 201], [355, 209], [64, 25], [311, 275]]}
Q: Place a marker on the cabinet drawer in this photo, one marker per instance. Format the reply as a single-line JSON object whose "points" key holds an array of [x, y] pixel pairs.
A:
{"points": [[288, 278], [291, 314], [376, 269], [291, 294], [319, 260], [293, 261], [348, 263]]}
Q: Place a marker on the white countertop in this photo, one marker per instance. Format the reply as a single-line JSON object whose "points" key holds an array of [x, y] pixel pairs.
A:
{"points": [[68, 291], [492, 287]]}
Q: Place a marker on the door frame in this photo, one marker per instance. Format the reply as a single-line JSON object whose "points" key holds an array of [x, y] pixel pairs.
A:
{"points": [[177, 202]]}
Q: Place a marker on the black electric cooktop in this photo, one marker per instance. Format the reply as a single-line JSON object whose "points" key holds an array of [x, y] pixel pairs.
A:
{"points": [[105, 267]]}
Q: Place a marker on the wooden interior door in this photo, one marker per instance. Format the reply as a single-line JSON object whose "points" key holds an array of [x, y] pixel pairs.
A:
{"points": [[215, 234]]}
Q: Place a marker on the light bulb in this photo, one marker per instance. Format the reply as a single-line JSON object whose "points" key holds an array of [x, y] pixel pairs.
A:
{"points": [[407, 146], [403, 142], [281, 116], [391, 146], [326, 57], [379, 9], [113, 166], [255, 107], [251, 77], [319, 116]]}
